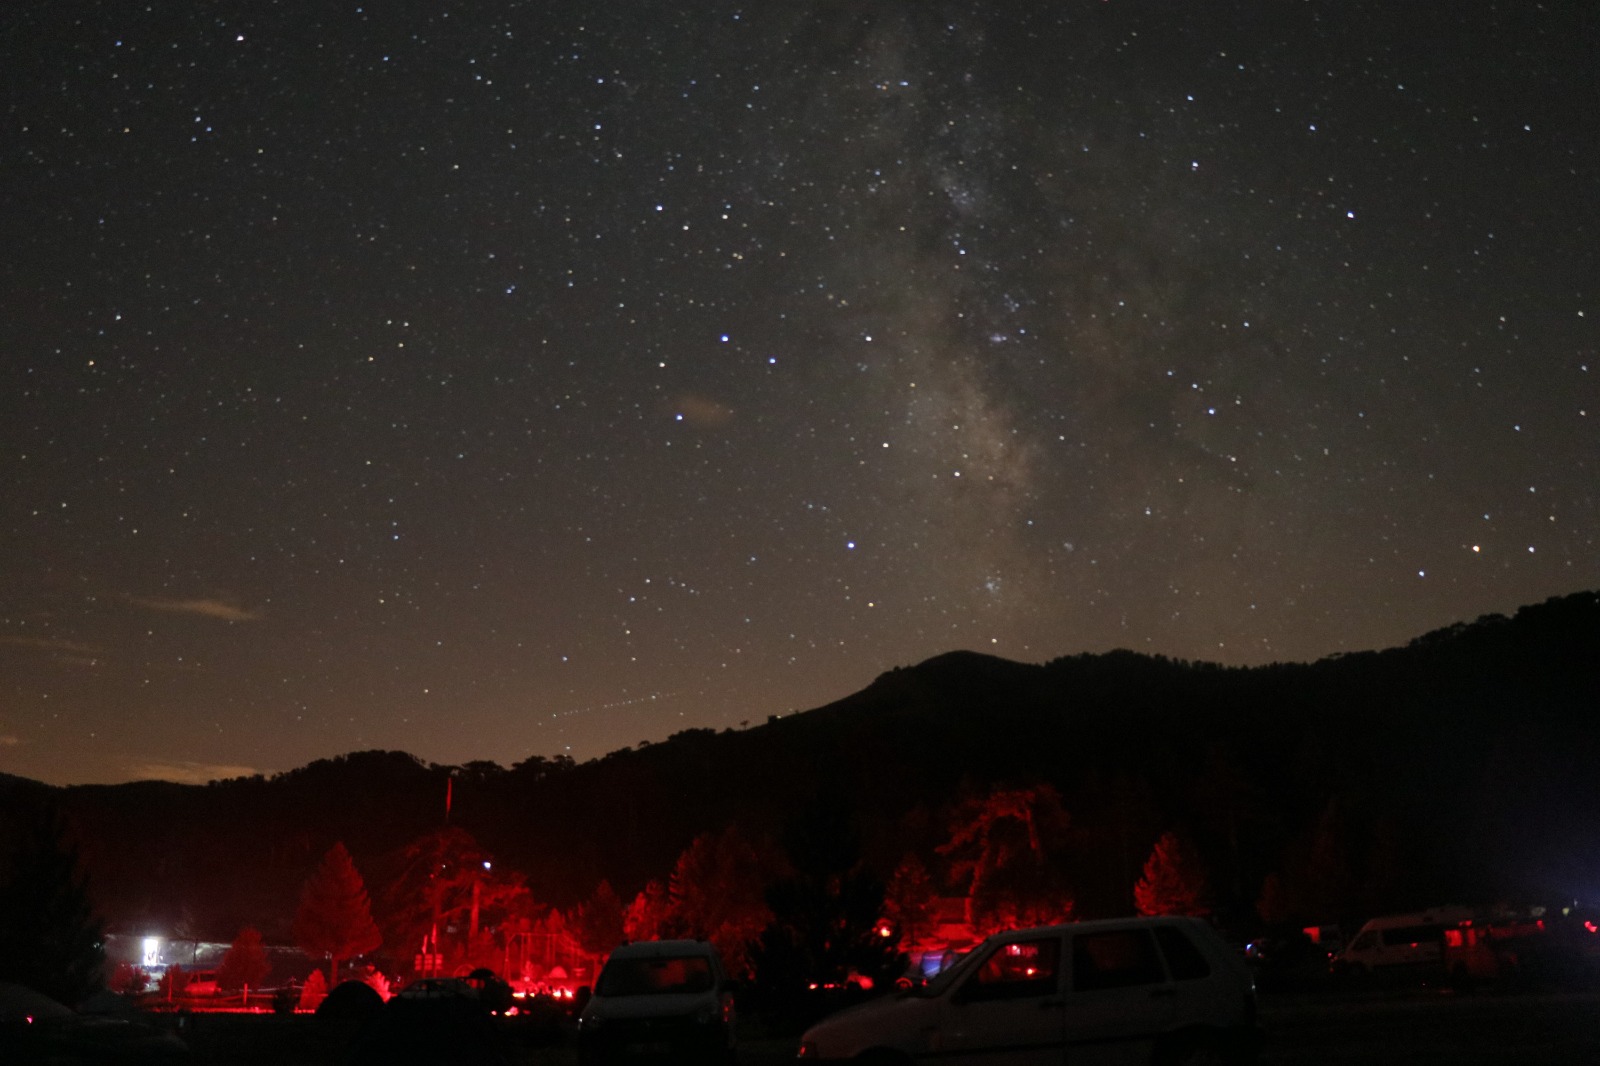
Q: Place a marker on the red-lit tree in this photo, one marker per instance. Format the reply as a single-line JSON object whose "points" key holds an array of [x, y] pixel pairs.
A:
{"points": [[444, 879], [314, 991], [1174, 880], [245, 964], [335, 916], [1007, 848], [647, 917]]}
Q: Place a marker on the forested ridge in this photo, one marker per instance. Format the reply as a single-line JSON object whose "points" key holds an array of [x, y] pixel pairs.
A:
{"points": [[1457, 767]]}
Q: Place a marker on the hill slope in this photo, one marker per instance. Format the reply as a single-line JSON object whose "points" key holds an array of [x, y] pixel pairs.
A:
{"points": [[1458, 765]]}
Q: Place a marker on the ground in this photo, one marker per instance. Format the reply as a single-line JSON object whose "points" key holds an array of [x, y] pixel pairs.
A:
{"points": [[1411, 1027]]}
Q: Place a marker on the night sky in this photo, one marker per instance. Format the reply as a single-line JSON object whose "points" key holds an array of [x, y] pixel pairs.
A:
{"points": [[486, 380]]}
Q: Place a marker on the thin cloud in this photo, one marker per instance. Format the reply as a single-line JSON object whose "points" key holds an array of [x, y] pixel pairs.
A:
{"points": [[220, 609], [52, 644], [187, 773]]}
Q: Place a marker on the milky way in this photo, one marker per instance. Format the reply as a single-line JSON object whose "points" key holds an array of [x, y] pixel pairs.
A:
{"points": [[492, 380]]}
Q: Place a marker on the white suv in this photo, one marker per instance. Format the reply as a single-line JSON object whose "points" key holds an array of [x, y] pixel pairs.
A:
{"points": [[1164, 990]]}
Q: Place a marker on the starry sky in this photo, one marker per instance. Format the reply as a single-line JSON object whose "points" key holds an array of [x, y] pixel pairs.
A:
{"points": [[487, 380]]}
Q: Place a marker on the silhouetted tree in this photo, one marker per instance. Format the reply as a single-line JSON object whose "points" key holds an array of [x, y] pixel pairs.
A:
{"points": [[1006, 847], [908, 901], [246, 962], [50, 938], [717, 892], [1321, 884], [1272, 907], [335, 916], [598, 923], [827, 912], [1174, 881], [1226, 807], [1384, 869]]}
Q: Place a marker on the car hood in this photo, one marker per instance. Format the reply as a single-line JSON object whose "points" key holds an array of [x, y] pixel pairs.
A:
{"points": [[666, 1005], [886, 1020]]}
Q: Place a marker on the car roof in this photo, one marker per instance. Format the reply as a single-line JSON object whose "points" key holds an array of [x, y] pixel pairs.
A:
{"points": [[662, 949], [1100, 925]]}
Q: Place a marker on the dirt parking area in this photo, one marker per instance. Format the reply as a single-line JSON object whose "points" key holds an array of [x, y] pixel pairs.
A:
{"points": [[1413, 1028]]}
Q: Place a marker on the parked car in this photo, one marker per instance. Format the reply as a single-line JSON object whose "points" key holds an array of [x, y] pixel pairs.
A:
{"points": [[201, 983], [659, 999], [1401, 942], [1166, 990]]}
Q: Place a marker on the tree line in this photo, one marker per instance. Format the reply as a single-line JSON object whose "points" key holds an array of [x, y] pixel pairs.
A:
{"points": [[1454, 768]]}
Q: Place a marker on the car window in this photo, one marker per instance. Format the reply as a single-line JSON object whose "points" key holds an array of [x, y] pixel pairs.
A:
{"points": [[1413, 934], [1184, 960], [1115, 959], [655, 976], [1017, 970]]}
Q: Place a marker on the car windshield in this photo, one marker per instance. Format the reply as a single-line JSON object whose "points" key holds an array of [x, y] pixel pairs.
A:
{"points": [[655, 976], [948, 976]]}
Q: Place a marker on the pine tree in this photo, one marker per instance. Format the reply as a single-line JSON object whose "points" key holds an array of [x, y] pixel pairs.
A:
{"points": [[50, 939], [1174, 881], [335, 916]]}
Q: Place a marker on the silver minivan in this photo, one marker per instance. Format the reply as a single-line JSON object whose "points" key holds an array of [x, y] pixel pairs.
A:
{"points": [[1163, 990]]}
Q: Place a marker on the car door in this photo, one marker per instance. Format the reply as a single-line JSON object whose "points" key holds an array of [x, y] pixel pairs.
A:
{"points": [[1119, 1001], [1008, 1010]]}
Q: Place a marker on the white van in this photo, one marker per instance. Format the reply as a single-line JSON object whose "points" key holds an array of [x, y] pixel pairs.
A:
{"points": [[659, 999], [1414, 940], [1122, 991]]}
